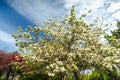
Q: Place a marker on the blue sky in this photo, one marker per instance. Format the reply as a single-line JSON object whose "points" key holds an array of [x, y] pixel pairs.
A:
{"points": [[14, 13]]}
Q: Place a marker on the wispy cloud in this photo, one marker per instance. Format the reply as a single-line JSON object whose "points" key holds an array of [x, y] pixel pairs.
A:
{"points": [[40, 10], [82, 4], [99, 7], [114, 6], [6, 37], [7, 42], [35, 11], [114, 9]]}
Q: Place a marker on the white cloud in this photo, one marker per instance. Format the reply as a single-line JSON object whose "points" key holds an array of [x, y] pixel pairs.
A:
{"points": [[99, 7], [114, 9], [83, 4], [117, 15], [6, 37], [41, 10], [35, 11], [7, 42], [5, 30], [114, 6], [69, 3]]}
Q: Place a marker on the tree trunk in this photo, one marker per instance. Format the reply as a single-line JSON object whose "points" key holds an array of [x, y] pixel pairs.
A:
{"points": [[76, 75], [7, 75]]}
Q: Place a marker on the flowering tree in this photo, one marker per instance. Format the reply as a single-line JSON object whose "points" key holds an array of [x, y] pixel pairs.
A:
{"points": [[66, 48]]}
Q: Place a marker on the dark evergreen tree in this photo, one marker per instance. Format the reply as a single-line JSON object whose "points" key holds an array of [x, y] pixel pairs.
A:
{"points": [[114, 39]]}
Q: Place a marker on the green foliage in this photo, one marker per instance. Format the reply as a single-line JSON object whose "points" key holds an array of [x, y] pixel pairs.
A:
{"points": [[2, 77], [95, 75], [114, 39]]}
